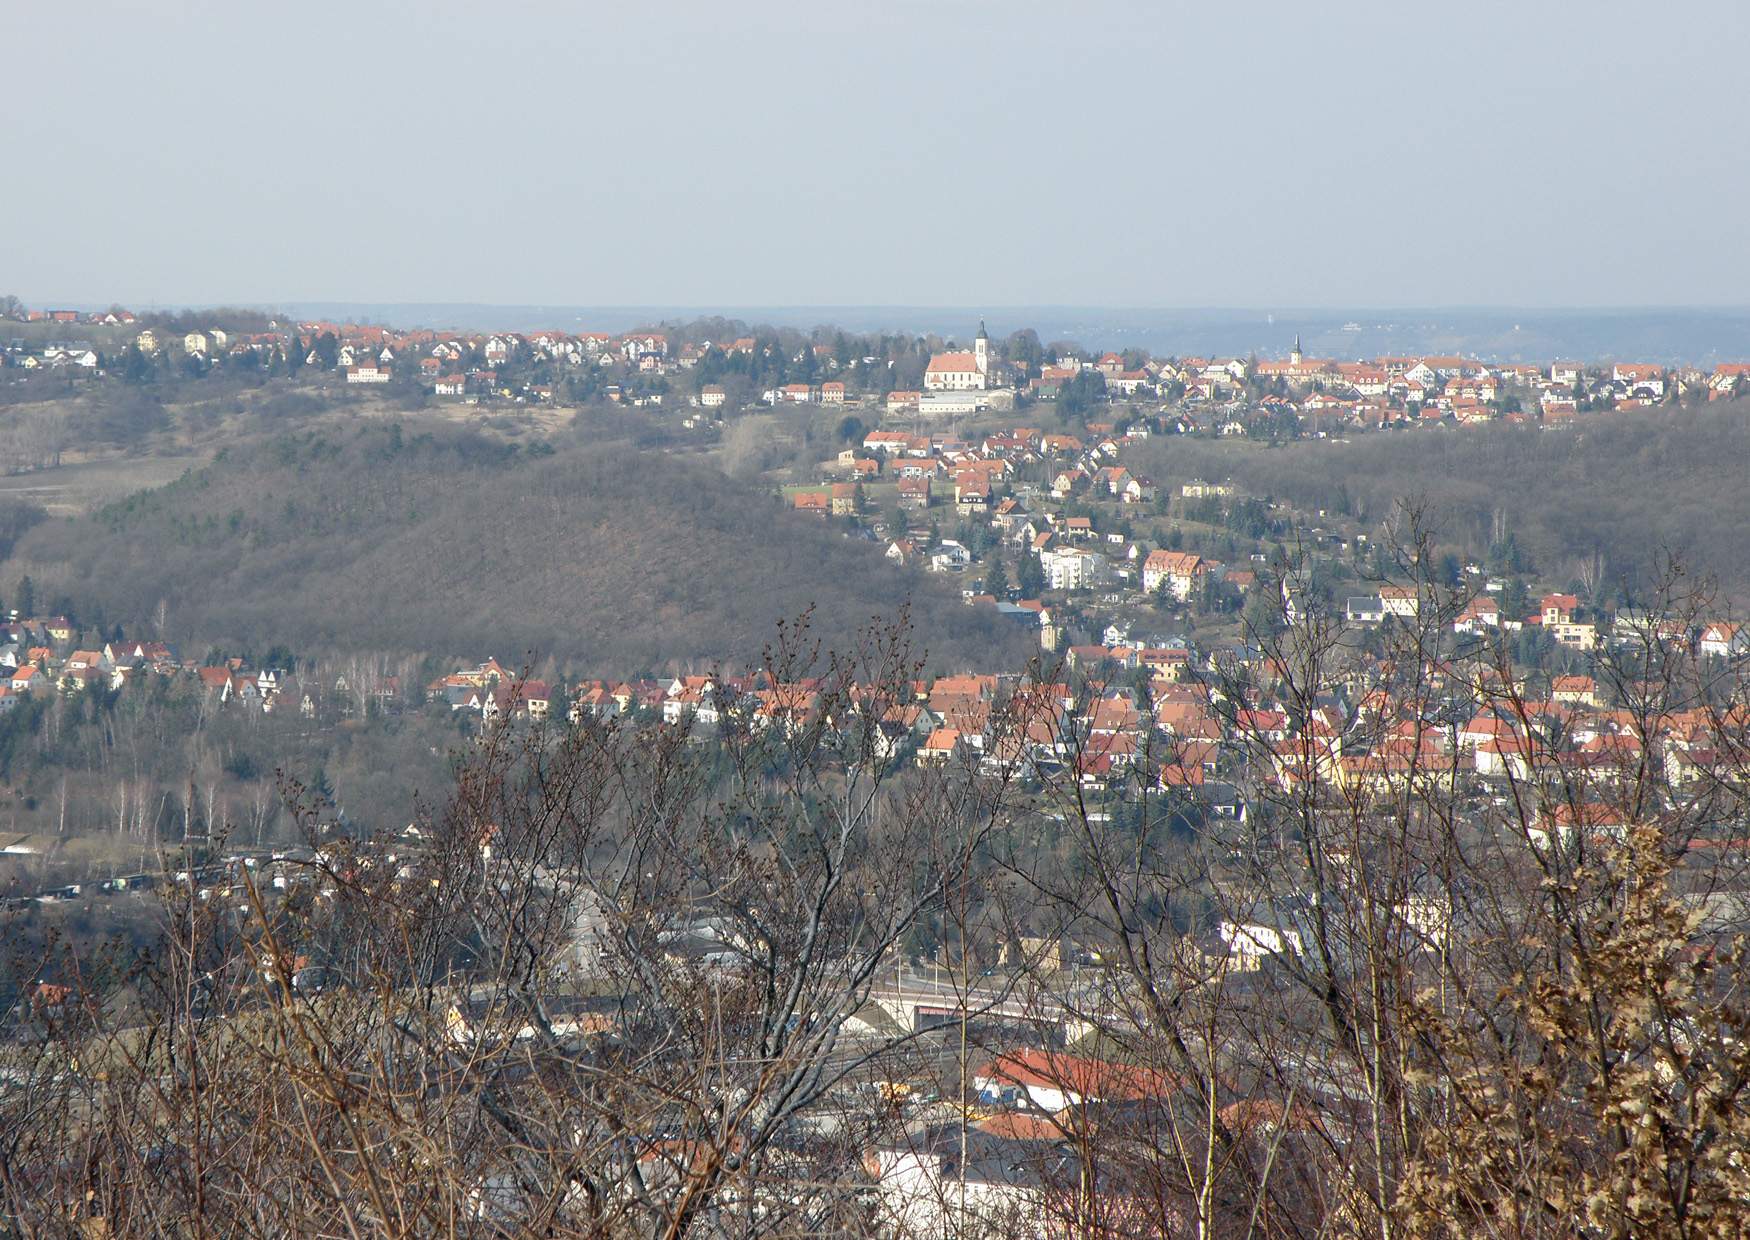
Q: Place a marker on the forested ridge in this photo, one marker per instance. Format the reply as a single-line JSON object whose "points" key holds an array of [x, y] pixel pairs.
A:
{"points": [[609, 558]]}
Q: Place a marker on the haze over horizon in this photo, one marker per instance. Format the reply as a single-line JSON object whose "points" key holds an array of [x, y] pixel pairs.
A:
{"points": [[1676, 336], [910, 155]]}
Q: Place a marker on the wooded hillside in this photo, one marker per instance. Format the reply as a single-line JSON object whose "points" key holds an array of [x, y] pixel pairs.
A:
{"points": [[614, 560], [1627, 486]]}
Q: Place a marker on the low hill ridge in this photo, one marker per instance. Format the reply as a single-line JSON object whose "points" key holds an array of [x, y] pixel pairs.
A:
{"points": [[611, 559]]}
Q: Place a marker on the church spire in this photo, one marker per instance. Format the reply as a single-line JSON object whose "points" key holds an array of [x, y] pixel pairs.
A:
{"points": [[1294, 354]]}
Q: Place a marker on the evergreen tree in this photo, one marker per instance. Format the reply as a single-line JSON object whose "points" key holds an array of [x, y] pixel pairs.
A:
{"points": [[26, 597], [996, 580], [136, 367]]}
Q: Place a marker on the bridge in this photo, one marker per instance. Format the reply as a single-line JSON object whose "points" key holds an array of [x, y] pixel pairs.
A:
{"points": [[923, 999]]}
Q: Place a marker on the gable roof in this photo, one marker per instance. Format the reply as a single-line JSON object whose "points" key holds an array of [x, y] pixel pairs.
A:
{"points": [[952, 363], [1090, 1078]]}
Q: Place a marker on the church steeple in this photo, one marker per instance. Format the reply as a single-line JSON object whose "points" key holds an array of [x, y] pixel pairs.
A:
{"points": [[981, 349], [1294, 354]]}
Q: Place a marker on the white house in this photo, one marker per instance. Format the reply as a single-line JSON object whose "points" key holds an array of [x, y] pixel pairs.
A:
{"points": [[950, 557], [1250, 943], [1400, 601], [1480, 613], [1364, 609], [1506, 757], [1720, 640], [367, 372], [644, 344], [1640, 376]]}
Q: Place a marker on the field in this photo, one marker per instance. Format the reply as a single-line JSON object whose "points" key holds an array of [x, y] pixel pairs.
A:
{"points": [[77, 488]]}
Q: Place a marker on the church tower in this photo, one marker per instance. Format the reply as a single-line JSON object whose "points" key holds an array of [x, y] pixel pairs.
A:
{"points": [[1294, 353], [981, 350]]}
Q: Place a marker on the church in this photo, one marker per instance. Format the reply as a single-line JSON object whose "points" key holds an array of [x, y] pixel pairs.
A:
{"points": [[1297, 369], [964, 371]]}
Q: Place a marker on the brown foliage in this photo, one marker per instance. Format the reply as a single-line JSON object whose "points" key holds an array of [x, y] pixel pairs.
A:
{"points": [[612, 559]]}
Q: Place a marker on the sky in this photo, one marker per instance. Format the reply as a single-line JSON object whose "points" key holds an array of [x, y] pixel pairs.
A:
{"points": [[1250, 153]]}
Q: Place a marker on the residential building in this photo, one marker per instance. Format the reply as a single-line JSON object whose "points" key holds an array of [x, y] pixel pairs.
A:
{"points": [[1179, 570]]}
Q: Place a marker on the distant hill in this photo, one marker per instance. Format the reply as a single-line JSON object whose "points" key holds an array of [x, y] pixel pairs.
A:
{"points": [[1630, 487], [614, 560]]}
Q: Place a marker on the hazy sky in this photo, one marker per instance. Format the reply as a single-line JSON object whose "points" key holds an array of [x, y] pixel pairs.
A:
{"points": [[915, 152]]}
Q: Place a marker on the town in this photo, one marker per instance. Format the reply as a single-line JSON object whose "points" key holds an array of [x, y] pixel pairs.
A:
{"points": [[685, 367], [875, 622], [1135, 598], [1243, 751]]}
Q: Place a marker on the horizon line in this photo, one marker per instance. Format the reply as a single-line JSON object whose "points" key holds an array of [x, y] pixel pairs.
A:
{"points": [[1110, 308]]}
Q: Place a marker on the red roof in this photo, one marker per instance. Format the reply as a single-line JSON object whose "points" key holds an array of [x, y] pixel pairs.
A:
{"points": [[1021, 1126], [1172, 562], [943, 740], [953, 363], [1090, 1078]]}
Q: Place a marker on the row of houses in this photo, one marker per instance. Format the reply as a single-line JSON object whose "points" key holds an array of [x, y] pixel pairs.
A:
{"points": [[112, 317], [1375, 392], [1409, 391], [116, 665], [1562, 617]]}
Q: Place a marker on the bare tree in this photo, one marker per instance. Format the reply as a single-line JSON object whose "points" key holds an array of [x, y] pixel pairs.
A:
{"points": [[609, 987]]}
